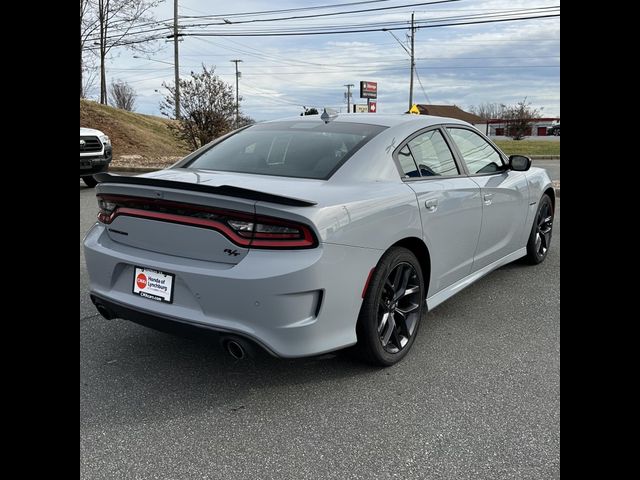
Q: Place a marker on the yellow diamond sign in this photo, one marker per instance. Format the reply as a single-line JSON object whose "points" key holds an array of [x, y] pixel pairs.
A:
{"points": [[414, 109]]}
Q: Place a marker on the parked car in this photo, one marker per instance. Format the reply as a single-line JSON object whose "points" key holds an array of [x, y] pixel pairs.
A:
{"points": [[312, 234], [95, 154], [554, 130]]}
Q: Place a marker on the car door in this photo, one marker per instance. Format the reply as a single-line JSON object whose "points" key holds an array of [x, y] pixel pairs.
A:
{"points": [[449, 203], [504, 192]]}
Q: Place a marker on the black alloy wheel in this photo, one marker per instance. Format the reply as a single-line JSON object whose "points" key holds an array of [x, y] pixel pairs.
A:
{"points": [[398, 308], [540, 238], [393, 305]]}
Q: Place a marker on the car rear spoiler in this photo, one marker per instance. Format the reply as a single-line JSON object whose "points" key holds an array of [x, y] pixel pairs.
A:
{"points": [[226, 190]]}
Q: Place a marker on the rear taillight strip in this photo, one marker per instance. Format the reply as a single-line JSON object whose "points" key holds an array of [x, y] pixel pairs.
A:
{"points": [[247, 239]]}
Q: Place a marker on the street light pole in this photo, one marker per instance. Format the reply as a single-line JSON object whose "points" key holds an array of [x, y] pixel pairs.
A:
{"points": [[237, 96]]}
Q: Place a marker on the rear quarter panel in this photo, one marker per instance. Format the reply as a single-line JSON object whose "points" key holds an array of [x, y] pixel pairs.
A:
{"points": [[372, 215]]}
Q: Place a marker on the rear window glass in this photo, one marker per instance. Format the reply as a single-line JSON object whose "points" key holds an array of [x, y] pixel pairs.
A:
{"points": [[288, 149]]}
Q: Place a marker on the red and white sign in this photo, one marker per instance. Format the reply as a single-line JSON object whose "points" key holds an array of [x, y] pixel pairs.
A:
{"points": [[141, 281], [368, 89], [153, 284], [373, 106]]}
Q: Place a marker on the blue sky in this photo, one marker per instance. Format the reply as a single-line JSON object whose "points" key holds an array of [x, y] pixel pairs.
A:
{"points": [[463, 65]]}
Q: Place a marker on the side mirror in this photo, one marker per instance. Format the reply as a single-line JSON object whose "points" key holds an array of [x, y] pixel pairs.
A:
{"points": [[519, 163]]}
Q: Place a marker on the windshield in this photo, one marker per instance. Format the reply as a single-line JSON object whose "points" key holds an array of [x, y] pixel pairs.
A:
{"points": [[289, 149]]}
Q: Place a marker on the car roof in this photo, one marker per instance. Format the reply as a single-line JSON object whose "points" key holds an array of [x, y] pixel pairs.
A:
{"points": [[385, 120]]}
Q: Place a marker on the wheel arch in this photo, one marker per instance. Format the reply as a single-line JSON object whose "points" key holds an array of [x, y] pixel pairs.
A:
{"points": [[552, 195], [419, 249]]}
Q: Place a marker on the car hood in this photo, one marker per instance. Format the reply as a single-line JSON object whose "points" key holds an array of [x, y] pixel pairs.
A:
{"points": [[90, 131]]}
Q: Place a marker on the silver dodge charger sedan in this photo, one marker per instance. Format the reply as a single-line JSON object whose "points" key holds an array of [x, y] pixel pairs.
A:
{"points": [[311, 234]]}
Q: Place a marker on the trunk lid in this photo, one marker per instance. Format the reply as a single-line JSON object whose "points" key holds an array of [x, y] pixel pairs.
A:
{"points": [[187, 213]]}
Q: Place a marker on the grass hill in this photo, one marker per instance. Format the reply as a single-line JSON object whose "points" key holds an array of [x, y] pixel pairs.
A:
{"points": [[138, 140]]}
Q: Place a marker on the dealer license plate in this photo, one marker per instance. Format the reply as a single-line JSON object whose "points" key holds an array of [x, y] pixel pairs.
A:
{"points": [[153, 284]]}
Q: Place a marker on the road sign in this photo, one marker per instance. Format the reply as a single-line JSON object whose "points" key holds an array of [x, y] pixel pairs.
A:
{"points": [[373, 107], [368, 89], [414, 109], [360, 109]]}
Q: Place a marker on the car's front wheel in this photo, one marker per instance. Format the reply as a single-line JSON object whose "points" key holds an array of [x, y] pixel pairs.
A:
{"points": [[392, 308], [90, 181]]}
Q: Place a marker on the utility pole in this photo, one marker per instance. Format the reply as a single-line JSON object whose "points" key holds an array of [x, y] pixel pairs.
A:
{"points": [[410, 52], [175, 58], [237, 96], [348, 85], [413, 62]]}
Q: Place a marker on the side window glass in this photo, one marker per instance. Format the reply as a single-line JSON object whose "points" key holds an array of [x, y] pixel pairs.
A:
{"points": [[407, 164], [432, 154], [477, 153]]}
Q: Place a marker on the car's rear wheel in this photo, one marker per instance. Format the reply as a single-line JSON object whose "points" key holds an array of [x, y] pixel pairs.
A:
{"points": [[392, 308], [540, 237], [90, 181]]}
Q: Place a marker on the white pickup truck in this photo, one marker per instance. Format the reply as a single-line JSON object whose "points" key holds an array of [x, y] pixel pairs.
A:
{"points": [[95, 154]]}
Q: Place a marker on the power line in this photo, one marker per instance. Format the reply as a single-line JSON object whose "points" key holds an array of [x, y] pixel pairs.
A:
{"points": [[421, 87], [368, 10], [287, 10], [334, 32], [533, 12], [495, 14], [319, 15]]}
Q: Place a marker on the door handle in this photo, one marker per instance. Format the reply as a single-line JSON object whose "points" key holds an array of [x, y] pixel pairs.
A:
{"points": [[487, 198], [431, 204]]}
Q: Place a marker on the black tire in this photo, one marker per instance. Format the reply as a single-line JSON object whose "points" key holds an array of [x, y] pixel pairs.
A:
{"points": [[540, 237], [90, 181], [404, 312]]}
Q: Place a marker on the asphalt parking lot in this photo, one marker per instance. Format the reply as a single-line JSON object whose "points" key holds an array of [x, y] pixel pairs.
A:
{"points": [[478, 396], [551, 166]]}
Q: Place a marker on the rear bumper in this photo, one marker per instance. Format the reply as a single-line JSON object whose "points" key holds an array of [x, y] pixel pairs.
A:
{"points": [[293, 303], [169, 325]]}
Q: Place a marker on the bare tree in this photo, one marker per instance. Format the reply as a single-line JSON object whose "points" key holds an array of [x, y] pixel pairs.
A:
{"points": [[207, 105], [122, 95], [114, 25], [488, 111], [88, 27], [519, 117], [89, 75]]}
